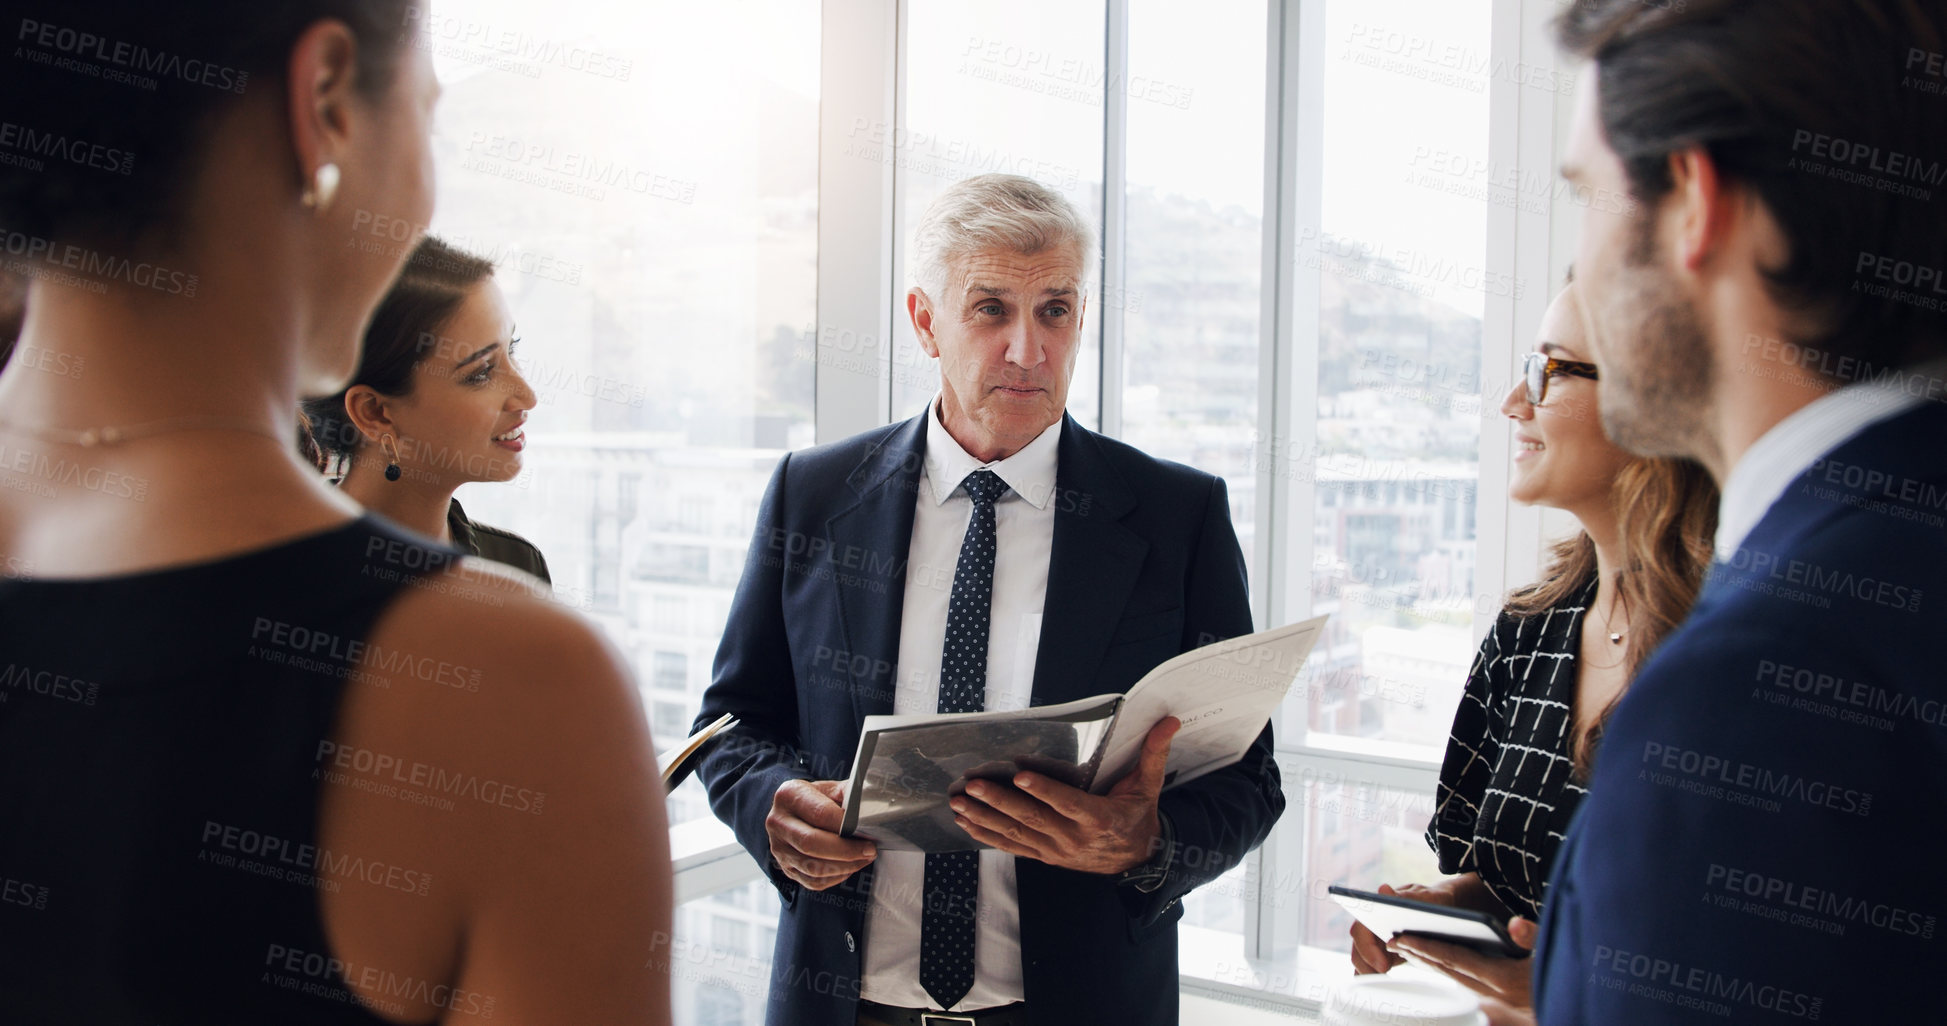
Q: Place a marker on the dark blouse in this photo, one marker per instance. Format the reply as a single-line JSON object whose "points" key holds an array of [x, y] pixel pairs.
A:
{"points": [[160, 768], [1507, 788], [493, 543]]}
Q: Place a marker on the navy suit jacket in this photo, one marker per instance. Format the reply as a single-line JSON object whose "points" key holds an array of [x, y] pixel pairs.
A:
{"points": [[1762, 838], [1145, 565]]}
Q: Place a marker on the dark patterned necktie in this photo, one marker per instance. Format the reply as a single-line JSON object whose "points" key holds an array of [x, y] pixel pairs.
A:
{"points": [[951, 894]]}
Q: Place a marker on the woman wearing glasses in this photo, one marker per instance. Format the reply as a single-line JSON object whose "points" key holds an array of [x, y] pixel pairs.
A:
{"points": [[1557, 659]]}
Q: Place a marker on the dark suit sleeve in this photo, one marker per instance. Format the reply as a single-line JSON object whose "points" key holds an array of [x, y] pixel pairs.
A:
{"points": [[753, 679], [1217, 819]]}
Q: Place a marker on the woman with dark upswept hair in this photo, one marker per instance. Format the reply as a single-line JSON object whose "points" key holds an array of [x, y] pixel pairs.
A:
{"points": [[437, 402], [266, 758], [1556, 661]]}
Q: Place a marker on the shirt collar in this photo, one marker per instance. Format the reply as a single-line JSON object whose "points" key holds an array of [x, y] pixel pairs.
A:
{"points": [[1792, 445], [1029, 473]]}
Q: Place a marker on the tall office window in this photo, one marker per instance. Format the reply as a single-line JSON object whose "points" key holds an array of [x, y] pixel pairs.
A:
{"points": [[1004, 85], [1190, 301], [645, 175], [1195, 209], [660, 259], [1400, 255]]}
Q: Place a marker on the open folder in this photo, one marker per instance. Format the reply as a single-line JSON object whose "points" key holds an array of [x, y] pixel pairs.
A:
{"points": [[908, 767], [680, 763]]}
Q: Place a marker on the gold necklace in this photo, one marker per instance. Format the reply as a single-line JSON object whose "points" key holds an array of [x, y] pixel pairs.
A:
{"points": [[1603, 666], [95, 437]]}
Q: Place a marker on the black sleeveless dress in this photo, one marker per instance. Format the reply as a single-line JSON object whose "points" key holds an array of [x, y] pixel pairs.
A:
{"points": [[163, 739]]}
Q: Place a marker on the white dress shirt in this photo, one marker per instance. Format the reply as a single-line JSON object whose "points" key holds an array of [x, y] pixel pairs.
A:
{"points": [[1794, 444], [1024, 532]]}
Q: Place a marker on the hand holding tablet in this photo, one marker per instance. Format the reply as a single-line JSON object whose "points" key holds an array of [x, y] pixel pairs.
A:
{"points": [[1389, 915]]}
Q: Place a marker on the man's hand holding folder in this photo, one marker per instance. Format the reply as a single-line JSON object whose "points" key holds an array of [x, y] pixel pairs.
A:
{"points": [[1044, 819]]}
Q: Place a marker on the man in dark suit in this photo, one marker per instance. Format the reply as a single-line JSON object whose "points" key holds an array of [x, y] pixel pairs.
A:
{"points": [[1760, 838], [990, 553]]}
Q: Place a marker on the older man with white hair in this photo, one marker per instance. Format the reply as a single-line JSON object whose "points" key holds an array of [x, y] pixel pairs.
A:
{"points": [[989, 553]]}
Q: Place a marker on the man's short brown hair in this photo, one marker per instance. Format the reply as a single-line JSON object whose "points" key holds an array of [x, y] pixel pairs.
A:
{"points": [[1832, 113]]}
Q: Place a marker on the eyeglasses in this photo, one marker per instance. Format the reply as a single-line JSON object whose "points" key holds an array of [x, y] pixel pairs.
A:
{"points": [[1539, 368]]}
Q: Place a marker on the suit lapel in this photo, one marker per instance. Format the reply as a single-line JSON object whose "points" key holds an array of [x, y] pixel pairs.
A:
{"points": [[879, 528], [1093, 566]]}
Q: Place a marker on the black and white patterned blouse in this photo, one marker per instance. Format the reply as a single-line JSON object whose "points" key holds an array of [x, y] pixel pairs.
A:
{"points": [[1507, 788]]}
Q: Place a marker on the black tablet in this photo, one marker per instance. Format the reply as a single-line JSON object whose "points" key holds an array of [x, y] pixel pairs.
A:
{"points": [[1389, 915]]}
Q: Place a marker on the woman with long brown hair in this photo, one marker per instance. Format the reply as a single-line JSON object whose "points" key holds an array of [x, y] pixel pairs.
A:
{"points": [[1557, 660]]}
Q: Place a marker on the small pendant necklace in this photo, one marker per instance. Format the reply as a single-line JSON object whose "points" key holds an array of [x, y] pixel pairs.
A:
{"points": [[94, 437], [1615, 637]]}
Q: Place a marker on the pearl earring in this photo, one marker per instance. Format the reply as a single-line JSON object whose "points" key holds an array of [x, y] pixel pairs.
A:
{"points": [[324, 186]]}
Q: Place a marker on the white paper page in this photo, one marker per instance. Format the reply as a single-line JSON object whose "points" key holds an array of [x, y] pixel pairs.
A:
{"points": [[1223, 692]]}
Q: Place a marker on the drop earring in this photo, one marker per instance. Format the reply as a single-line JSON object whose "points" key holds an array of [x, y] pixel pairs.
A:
{"points": [[323, 187], [391, 458]]}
